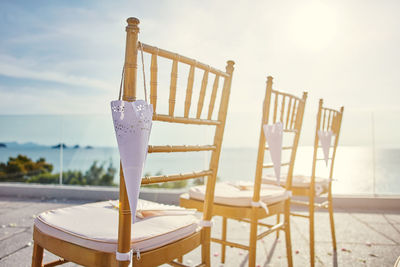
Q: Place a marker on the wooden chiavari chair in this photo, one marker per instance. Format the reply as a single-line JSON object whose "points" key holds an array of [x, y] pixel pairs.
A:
{"points": [[253, 202], [79, 252], [310, 186]]}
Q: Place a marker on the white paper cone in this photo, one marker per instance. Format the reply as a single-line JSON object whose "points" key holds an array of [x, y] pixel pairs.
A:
{"points": [[273, 134], [132, 124], [325, 137]]}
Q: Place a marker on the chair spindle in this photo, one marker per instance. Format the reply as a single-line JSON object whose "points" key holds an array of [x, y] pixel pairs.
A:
{"points": [[202, 94], [189, 91], [172, 89]]}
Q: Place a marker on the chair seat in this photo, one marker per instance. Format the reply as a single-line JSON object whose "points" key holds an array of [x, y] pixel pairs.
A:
{"points": [[240, 194], [95, 226], [301, 181]]}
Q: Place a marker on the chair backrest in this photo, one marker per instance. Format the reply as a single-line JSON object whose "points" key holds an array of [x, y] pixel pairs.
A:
{"points": [[200, 117], [286, 108], [327, 120]]}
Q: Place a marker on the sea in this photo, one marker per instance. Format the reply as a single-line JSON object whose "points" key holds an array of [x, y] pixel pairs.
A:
{"points": [[358, 170]]}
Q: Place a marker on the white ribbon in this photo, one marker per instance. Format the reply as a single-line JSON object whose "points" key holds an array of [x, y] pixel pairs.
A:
{"points": [[273, 134], [124, 256], [325, 137], [260, 204], [127, 256]]}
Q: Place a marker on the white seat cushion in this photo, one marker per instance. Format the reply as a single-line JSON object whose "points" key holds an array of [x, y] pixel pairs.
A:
{"points": [[240, 194], [302, 181], [95, 226]]}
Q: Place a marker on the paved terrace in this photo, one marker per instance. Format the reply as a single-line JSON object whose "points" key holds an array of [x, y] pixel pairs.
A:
{"points": [[364, 238]]}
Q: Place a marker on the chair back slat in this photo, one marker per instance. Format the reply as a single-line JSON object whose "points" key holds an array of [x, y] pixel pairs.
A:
{"points": [[175, 177], [182, 59], [184, 148], [328, 119], [275, 107], [213, 97], [323, 121], [153, 82], [293, 113], [189, 91], [283, 148], [186, 117], [282, 109], [288, 112], [172, 88], [167, 118], [202, 94]]}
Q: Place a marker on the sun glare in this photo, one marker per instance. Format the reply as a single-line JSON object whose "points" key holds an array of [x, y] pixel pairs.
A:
{"points": [[314, 25]]}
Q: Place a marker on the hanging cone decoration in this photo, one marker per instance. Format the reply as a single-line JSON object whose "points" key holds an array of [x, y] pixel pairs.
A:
{"points": [[273, 134], [325, 137], [132, 124]]}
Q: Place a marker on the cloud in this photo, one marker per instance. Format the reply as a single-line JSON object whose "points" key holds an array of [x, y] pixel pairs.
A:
{"points": [[349, 57], [27, 100], [15, 68]]}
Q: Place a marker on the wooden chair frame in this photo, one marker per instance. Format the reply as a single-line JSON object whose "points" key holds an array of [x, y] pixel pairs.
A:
{"points": [[170, 252], [327, 120], [292, 124]]}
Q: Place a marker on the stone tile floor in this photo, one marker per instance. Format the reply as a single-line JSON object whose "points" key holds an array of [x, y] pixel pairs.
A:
{"points": [[364, 239]]}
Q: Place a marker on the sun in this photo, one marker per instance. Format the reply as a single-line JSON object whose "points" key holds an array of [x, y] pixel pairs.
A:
{"points": [[314, 25]]}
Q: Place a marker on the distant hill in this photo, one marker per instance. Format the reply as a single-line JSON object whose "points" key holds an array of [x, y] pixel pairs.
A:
{"points": [[12, 145], [23, 145]]}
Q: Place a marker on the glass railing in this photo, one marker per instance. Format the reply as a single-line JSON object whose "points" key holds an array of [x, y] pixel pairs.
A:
{"points": [[367, 161]]}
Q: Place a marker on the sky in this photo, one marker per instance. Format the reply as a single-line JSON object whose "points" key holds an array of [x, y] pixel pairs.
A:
{"points": [[65, 57]]}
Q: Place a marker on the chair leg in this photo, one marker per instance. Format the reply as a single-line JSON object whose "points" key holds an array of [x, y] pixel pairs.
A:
{"points": [[223, 246], [312, 245], [253, 238], [287, 233], [180, 259], [278, 220], [330, 206], [37, 255], [205, 248]]}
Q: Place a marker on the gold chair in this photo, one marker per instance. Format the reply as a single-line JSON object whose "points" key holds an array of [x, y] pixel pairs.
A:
{"points": [[311, 186], [97, 246], [253, 202]]}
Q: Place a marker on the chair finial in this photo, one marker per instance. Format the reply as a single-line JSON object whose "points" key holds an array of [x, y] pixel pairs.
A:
{"points": [[269, 81], [229, 66], [133, 25], [133, 21], [321, 102]]}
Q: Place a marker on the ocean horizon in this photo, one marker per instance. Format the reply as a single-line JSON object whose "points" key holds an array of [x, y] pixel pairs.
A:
{"points": [[356, 167]]}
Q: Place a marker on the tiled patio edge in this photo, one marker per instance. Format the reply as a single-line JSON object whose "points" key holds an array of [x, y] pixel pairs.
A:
{"points": [[367, 203]]}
